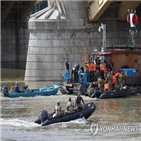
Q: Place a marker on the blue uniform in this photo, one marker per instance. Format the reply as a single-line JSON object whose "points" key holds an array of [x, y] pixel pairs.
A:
{"points": [[16, 88], [67, 65]]}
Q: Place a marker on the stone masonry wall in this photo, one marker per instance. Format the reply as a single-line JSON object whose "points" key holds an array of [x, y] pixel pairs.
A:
{"points": [[14, 44]]}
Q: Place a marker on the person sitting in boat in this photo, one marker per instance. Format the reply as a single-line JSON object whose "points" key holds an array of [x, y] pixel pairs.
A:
{"points": [[17, 88], [78, 104], [70, 106], [28, 90], [57, 110]]}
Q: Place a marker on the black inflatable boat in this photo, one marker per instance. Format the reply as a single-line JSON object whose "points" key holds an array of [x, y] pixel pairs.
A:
{"points": [[117, 94], [46, 119]]}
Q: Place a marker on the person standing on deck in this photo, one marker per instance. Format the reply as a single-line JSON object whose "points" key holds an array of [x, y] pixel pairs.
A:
{"points": [[109, 65], [91, 71], [100, 84], [67, 64], [109, 80], [121, 79], [114, 81]]}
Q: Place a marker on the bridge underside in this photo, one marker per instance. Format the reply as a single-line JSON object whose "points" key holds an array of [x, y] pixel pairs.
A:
{"points": [[16, 10], [97, 9]]}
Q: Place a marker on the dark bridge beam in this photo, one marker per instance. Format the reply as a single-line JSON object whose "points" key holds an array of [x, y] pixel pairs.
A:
{"points": [[6, 10], [25, 11]]}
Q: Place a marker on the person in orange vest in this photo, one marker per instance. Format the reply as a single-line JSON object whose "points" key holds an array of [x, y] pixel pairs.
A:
{"points": [[105, 70], [117, 76], [114, 81], [106, 86], [91, 71], [137, 72]]}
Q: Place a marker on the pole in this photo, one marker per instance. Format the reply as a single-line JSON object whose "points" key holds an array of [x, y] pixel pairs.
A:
{"points": [[103, 48]]}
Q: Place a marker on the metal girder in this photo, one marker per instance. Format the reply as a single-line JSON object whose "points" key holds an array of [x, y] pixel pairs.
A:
{"points": [[25, 11], [97, 8], [125, 5], [5, 11], [38, 2]]}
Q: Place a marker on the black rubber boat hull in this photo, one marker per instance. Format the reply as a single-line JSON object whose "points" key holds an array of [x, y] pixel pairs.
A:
{"points": [[134, 90], [118, 94], [86, 112]]}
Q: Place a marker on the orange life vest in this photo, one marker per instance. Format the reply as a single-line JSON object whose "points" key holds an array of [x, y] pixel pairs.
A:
{"points": [[114, 80], [105, 86], [117, 74], [92, 67], [138, 73], [105, 70]]}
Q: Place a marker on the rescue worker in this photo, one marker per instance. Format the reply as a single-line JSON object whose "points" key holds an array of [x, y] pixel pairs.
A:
{"points": [[121, 79], [117, 87], [106, 86], [114, 81], [17, 89], [70, 106], [109, 66], [117, 76], [97, 75], [91, 71], [109, 80], [105, 70], [87, 70], [98, 65], [100, 84], [78, 100], [67, 64], [57, 110], [137, 72], [74, 73]]}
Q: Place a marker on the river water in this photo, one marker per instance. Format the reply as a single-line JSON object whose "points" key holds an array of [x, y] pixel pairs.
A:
{"points": [[116, 119]]}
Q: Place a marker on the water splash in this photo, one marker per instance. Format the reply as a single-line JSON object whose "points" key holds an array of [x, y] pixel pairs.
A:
{"points": [[17, 123]]}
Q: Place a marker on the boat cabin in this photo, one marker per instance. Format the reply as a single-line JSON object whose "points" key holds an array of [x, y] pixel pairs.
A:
{"points": [[122, 56]]}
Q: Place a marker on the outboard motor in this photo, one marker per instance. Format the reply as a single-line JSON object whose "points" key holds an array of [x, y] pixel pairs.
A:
{"points": [[5, 90], [43, 116]]}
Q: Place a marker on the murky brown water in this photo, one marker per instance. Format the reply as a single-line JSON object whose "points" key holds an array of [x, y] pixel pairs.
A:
{"points": [[18, 114]]}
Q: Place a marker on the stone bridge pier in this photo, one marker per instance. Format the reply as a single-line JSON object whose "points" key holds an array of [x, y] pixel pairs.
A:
{"points": [[56, 33]]}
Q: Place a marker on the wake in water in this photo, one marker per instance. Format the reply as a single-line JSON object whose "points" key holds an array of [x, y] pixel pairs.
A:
{"points": [[61, 125], [79, 121], [17, 123]]}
